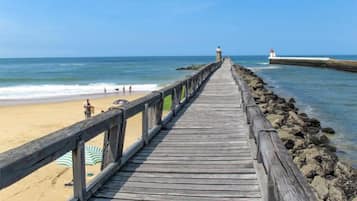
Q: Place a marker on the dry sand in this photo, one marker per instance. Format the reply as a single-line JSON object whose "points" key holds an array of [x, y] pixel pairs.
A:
{"points": [[23, 123]]}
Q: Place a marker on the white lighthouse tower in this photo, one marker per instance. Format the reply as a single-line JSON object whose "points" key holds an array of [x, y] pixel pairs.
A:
{"points": [[218, 54], [272, 54]]}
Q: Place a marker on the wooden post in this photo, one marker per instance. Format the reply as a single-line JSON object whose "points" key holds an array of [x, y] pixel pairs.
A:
{"points": [[159, 109], [122, 129], [79, 172], [173, 101], [111, 141], [145, 124], [179, 94], [186, 91]]}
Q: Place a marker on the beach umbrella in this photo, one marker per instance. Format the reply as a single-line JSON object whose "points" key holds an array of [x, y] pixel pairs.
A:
{"points": [[92, 154], [120, 102]]}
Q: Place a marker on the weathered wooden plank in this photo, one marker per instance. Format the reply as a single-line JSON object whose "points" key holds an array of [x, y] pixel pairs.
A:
{"points": [[239, 170], [245, 153], [220, 176], [217, 194], [153, 166], [204, 151], [195, 158], [201, 187], [180, 162], [183, 181], [151, 197]]}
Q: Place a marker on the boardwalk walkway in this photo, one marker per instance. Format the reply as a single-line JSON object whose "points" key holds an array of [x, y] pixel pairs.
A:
{"points": [[204, 154]]}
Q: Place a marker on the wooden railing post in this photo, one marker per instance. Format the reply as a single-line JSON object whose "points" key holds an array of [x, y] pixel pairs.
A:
{"points": [[173, 101], [79, 171], [111, 141], [122, 130], [186, 91], [179, 94], [159, 109], [145, 124]]}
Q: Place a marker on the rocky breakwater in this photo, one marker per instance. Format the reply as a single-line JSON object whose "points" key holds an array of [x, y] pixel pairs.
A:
{"points": [[307, 142]]}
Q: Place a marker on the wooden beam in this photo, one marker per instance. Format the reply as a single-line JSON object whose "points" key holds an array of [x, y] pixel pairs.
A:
{"points": [[79, 172]]}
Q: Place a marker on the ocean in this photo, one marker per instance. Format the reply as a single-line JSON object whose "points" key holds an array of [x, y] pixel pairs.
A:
{"points": [[36, 78], [326, 94]]}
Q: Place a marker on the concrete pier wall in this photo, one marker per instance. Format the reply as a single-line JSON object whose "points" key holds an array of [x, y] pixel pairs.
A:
{"points": [[345, 65]]}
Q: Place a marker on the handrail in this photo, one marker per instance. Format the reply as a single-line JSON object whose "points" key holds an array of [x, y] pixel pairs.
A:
{"points": [[285, 181], [23, 160]]}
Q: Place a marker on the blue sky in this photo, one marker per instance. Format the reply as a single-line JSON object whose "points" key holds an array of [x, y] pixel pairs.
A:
{"points": [[41, 28]]}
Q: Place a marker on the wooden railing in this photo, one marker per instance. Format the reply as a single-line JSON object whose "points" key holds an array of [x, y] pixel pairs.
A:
{"points": [[285, 182], [22, 161]]}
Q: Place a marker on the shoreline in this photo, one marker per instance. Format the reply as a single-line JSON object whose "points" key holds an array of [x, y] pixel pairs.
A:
{"points": [[307, 142], [60, 99]]}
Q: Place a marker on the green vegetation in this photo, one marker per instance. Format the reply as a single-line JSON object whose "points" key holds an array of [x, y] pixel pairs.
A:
{"points": [[168, 101]]}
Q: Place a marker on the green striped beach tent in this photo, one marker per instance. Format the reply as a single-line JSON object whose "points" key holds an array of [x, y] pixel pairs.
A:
{"points": [[92, 154]]}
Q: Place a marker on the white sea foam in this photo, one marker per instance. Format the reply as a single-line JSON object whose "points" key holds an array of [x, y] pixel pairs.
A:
{"points": [[21, 92], [265, 68]]}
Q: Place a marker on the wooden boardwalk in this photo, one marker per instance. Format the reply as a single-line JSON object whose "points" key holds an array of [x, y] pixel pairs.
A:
{"points": [[203, 154]]}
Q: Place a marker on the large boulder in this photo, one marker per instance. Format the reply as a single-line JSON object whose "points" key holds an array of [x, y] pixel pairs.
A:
{"points": [[323, 161], [310, 170], [328, 130], [295, 119], [321, 187], [336, 194], [313, 123], [276, 120], [312, 130]]}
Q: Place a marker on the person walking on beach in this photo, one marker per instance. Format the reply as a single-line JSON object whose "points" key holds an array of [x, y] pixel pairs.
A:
{"points": [[130, 89], [124, 89], [88, 109]]}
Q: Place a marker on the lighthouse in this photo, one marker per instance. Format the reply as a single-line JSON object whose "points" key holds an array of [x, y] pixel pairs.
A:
{"points": [[272, 53], [218, 54]]}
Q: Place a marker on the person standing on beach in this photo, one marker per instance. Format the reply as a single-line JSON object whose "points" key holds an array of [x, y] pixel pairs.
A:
{"points": [[124, 89], [130, 89], [88, 109]]}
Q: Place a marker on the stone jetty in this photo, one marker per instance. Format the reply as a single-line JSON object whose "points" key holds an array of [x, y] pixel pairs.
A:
{"points": [[307, 142]]}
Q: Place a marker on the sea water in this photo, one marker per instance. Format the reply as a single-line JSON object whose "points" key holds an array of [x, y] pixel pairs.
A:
{"points": [[53, 77], [326, 94]]}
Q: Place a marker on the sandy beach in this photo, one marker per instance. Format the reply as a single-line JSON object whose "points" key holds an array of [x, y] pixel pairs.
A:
{"points": [[26, 122]]}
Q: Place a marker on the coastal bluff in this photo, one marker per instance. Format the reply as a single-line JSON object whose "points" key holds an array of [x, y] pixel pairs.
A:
{"points": [[321, 62]]}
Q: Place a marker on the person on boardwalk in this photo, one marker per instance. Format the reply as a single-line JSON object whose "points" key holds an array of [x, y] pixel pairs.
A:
{"points": [[130, 89], [88, 109]]}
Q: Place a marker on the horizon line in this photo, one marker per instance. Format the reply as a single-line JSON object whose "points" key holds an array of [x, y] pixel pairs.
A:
{"points": [[267, 55]]}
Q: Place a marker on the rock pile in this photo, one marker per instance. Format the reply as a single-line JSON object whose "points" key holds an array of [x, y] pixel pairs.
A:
{"points": [[306, 141], [191, 67]]}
